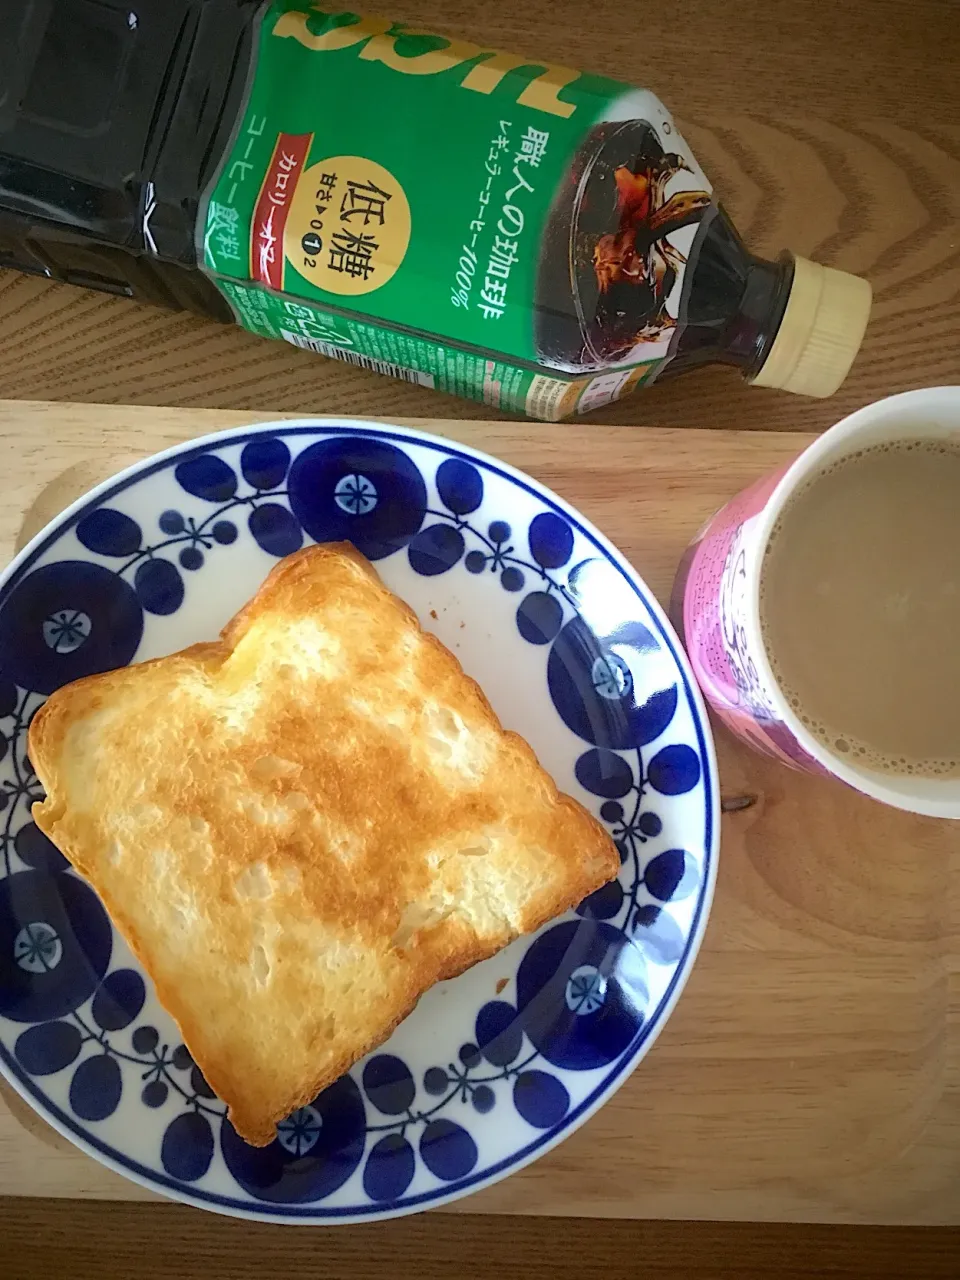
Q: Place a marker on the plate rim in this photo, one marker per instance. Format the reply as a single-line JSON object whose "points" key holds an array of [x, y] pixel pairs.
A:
{"points": [[313, 1214]]}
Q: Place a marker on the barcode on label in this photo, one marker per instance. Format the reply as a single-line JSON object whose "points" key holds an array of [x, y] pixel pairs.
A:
{"points": [[361, 361]]}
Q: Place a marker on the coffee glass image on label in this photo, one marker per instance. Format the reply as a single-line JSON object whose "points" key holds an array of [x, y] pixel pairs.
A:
{"points": [[615, 247]]}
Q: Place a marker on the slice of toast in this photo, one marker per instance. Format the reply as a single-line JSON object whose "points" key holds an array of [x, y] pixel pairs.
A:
{"points": [[303, 826]]}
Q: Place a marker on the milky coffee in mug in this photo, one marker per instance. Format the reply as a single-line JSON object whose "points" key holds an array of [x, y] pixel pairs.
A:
{"points": [[859, 606], [820, 606]]}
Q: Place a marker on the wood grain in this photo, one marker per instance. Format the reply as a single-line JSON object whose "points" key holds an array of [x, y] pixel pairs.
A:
{"points": [[99, 1242], [811, 1071], [827, 129]]}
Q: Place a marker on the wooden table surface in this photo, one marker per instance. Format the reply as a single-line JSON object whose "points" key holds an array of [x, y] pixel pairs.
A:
{"points": [[829, 129]]}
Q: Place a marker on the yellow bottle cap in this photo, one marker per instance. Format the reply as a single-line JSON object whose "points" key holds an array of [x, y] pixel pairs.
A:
{"points": [[821, 331]]}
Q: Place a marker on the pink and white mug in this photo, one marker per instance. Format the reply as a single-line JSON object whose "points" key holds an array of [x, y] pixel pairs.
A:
{"points": [[716, 603]]}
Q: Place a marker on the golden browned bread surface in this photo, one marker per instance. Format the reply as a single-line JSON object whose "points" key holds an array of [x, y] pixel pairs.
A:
{"points": [[303, 826]]}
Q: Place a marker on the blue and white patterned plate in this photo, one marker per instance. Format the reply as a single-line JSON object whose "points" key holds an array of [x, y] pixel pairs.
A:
{"points": [[493, 1068]]}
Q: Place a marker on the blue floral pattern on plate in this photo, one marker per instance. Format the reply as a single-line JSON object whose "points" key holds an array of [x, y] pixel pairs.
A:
{"points": [[572, 652]]}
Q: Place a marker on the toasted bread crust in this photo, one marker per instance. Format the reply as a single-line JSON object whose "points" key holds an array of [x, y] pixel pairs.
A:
{"points": [[328, 818]]}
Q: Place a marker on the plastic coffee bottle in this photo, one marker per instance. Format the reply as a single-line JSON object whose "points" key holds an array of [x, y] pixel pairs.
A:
{"points": [[489, 224]]}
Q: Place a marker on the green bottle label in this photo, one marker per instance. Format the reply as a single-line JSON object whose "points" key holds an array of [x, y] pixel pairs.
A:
{"points": [[504, 229]]}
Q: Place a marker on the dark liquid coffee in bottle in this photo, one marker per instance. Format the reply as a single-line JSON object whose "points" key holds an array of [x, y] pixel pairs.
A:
{"points": [[520, 233]]}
